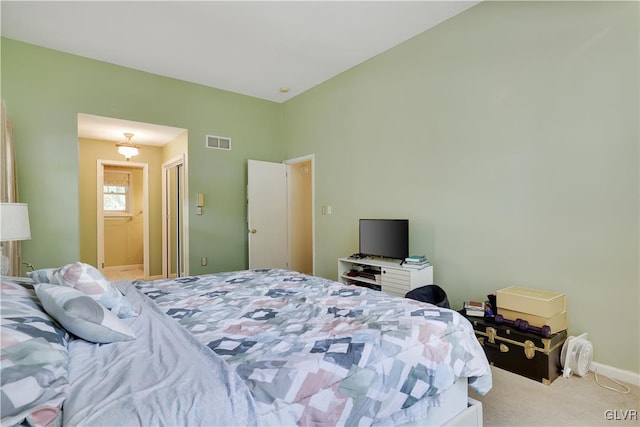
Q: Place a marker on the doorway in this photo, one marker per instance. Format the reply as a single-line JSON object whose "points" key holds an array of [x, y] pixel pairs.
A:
{"points": [[123, 217], [280, 214], [158, 144], [301, 209]]}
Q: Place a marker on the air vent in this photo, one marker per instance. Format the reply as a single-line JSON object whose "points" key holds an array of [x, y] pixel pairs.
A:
{"points": [[219, 142]]}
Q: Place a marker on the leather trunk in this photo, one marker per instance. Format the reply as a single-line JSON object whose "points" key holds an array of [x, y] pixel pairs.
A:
{"points": [[524, 353]]}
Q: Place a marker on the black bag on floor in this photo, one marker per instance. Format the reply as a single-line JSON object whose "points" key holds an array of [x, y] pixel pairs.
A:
{"points": [[433, 294]]}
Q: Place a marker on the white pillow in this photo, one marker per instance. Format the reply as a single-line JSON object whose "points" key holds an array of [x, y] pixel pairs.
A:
{"points": [[88, 279], [79, 314]]}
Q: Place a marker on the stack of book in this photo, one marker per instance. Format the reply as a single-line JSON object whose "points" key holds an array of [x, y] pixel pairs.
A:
{"points": [[417, 262], [474, 308]]}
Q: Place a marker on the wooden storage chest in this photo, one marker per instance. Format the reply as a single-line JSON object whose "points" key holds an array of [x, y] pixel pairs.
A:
{"points": [[523, 353]]}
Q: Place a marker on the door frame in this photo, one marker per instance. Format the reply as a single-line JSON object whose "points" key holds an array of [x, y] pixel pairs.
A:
{"points": [[178, 160], [101, 163], [289, 163]]}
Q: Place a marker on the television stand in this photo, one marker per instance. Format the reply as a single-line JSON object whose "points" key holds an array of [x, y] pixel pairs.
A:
{"points": [[388, 275]]}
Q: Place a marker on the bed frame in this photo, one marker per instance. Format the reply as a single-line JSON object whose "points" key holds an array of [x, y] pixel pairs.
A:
{"points": [[468, 411]]}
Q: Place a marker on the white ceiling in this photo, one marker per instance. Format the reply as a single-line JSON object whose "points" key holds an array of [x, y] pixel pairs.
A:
{"points": [[109, 129], [248, 47]]}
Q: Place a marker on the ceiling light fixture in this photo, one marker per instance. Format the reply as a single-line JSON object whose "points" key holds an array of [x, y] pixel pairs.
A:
{"points": [[127, 148]]}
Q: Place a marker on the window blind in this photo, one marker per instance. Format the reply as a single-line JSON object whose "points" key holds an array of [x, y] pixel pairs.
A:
{"points": [[115, 178]]}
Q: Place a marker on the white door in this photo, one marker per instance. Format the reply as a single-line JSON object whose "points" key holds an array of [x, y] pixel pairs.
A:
{"points": [[267, 214]]}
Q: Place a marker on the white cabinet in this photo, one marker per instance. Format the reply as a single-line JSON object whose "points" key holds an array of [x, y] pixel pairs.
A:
{"points": [[387, 276]]}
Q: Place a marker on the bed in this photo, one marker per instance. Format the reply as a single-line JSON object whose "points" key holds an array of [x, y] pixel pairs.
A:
{"points": [[256, 347]]}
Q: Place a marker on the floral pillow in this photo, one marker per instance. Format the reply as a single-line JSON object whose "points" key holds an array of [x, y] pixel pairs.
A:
{"points": [[81, 315], [87, 279], [33, 361]]}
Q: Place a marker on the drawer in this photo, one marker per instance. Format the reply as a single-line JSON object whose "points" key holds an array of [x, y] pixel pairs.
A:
{"points": [[395, 275], [399, 289]]}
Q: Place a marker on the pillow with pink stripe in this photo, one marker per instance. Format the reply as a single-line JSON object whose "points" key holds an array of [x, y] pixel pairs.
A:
{"points": [[87, 279]]}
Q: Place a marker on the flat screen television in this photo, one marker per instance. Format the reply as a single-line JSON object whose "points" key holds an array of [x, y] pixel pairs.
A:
{"points": [[387, 238]]}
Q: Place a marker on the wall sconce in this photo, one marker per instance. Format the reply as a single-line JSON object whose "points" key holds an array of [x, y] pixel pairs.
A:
{"points": [[199, 203], [127, 148], [14, 226]]}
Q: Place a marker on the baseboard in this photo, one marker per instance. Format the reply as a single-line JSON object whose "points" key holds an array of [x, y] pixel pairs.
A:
{"points": [[617, 374], [154, 277]]}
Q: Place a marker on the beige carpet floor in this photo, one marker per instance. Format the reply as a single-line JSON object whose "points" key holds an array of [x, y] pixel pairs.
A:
{"points": [[577, 401]]}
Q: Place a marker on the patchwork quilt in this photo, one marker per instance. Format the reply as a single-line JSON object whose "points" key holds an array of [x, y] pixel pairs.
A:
{"points": [[33, 359], [317, 352]]}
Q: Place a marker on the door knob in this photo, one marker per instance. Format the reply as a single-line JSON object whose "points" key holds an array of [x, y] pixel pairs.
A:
{"points": [[254, 231]]}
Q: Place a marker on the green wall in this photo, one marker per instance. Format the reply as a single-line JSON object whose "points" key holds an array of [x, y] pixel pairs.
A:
{"points": [[508, 135], [45, 90]]}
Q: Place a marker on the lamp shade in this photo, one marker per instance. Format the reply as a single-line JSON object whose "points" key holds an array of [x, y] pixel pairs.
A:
{"points": [[14, 222]]}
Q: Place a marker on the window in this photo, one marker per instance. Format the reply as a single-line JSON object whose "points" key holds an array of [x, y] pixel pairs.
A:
{"points": [[117, 193]]}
